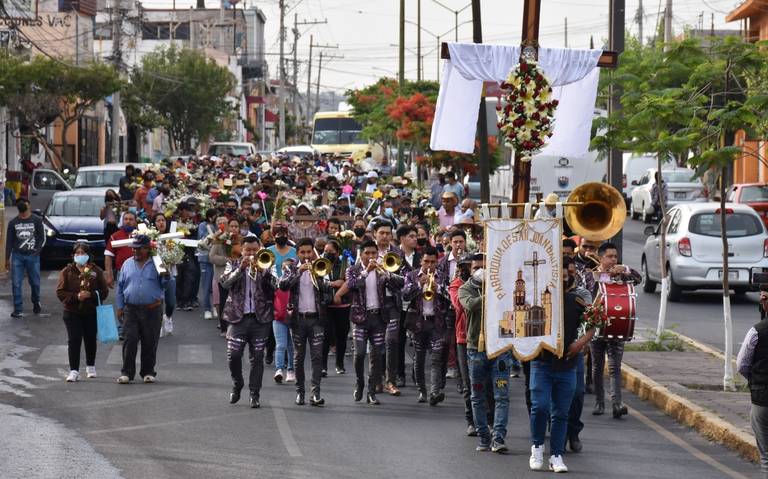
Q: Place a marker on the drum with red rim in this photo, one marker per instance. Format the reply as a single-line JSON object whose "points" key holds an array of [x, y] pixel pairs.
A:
{"points": [[619, 304]]}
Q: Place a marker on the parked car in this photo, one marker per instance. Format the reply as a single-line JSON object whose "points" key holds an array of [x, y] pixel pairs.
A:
{"points": [[752, 194], [73, 216], [302, 151], [43, 184], [682, 187], [231, 148], [103, 176], [695, 250], [634, 167]]}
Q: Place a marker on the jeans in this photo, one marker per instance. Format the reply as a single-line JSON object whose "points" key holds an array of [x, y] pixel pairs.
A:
{"points": [[283, 345], [497, 370], [428, 339], [189, 281], [371, 331], [308, 329], [551, 396], [206, 280], [392, 340], [461, 359], [336, 333], [170, 296], [759, 420], [141, 324], [81, 328], [615, 350], [20, 264], [577, 404], [253, 334]]}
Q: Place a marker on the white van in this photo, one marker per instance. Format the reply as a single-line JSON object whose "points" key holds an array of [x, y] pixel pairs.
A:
{"points": [[635, 167], [231, 148]]}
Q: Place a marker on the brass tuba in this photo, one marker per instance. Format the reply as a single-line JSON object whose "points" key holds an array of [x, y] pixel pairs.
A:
{"points": [[600, 215], [391, 262]]}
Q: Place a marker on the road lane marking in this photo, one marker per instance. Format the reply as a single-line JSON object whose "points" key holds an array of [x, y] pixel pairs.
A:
{"points": [[195, 354], [119, 401], [285, 430], [703, 457], [53, 354], [168, 423]]}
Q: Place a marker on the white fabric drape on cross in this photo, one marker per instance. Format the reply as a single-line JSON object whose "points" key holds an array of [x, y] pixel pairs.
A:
{"points": [[573, 75]]}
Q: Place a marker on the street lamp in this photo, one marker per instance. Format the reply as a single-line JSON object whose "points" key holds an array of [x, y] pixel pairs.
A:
{"points": [[455, 13]]}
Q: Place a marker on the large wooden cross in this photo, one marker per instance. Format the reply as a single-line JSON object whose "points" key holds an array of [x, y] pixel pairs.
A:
{"points": [[535, 263], [521, 179]]}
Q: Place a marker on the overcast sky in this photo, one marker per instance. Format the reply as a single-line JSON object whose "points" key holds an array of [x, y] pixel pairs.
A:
{"points": [[364, 30]]}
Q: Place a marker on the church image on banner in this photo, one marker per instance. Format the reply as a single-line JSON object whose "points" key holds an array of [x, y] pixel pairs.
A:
{"points": [[528, 319]]}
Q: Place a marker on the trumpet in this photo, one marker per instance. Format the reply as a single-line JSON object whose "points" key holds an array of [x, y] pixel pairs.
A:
{"points": [[263, 260], [321, 267], [428, 292], [391, 263]]}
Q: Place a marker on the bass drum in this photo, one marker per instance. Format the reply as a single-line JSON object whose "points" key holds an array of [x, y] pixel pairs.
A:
{"points": [[619, 302]]}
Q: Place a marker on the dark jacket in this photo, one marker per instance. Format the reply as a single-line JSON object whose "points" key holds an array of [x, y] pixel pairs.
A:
{"points": [[356, 285], [443, 279], [234, 280], [69, 286], [291, 281], [413, 295], [471, 298], [758, 377]]}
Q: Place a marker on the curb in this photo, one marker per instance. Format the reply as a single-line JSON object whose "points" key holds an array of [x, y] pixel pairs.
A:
{"points": [[689, 414]]}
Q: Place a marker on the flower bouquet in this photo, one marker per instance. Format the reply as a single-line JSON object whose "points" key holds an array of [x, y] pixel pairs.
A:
{"points": [[346, 239], [86, 275]]}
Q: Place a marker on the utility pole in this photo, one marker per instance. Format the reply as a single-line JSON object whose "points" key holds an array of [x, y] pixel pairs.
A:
{"points": [[667, 25], [616, 44], [566, 32], [639, 19], [418, 40], [117, 60], [309, 82], [319, 72], [482, 119], [296, 36], [281, 92], [401, 81]]}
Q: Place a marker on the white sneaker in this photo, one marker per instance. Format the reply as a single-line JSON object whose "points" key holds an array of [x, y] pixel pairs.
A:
{"points": [[90, 372], [536, 462], [215, 313], [149, 379], [291, 377], [279, 374], [556, 464], [73, 376], [207, 315], [452, 373], [123, 380], [168, 324]]}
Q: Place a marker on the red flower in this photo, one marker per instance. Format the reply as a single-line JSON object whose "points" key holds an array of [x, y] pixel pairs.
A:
{"points": [[523, 66]]}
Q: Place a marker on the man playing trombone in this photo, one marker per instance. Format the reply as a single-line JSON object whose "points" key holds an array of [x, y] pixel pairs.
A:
{"points": [[309, 296], [249, 311], [426, 321]]}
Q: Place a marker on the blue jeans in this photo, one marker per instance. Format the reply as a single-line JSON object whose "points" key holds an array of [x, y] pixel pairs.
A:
{"points": [[481, 369], [206, 282], [551, 395], [170, 296], [282, 345], [577, 404], [20, 264]]}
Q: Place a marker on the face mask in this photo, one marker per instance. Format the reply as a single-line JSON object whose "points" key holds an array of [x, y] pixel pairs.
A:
{"points": [[359, 232], [128, 229], [281, 241], [244, 232], [23, 208], [421, 241], [132, 209], [238, 191], [479, 274], [330, 257], [81, 259], [389, 212]]}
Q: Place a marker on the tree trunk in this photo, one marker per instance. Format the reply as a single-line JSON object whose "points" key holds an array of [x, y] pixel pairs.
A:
{"points": [[728, 384], [662, 259], [64, 130]]}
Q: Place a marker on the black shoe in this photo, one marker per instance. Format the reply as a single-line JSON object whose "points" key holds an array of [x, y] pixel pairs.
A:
{"points": [[435, 399], [269, 358], [358, 394], [619, 410], [340, 370], [400, 382], [471, 430], [371, 399], [300, 399], [17, 315], [254, 402], [575, 444], [316, 400], [498, 446], [234, 396], [324, 373], [599, 409], [195, 304], [459, 388], [422, 397], [36, 308]]}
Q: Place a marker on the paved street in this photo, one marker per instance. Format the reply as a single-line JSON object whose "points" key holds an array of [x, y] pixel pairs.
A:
{"points": [[183, 427]]}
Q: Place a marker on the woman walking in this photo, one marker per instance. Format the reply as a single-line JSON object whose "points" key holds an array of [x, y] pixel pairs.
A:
{"points": [[160, 223], [81, 283]]}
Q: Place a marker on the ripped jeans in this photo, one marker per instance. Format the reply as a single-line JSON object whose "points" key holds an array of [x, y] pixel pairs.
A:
{"points": [[481, 369]]}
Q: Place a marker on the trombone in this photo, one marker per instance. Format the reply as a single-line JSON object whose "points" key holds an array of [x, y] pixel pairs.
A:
{"points": [[428, 291], [263, 260], [321, 267], [390, 263]]}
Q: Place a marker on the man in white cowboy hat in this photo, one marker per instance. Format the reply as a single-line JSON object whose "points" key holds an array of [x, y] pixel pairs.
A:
{"points": [[548, 210], [372, 179]]}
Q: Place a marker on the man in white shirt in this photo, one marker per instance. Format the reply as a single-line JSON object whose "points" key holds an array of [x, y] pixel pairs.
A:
{"points": [[371, 182]]}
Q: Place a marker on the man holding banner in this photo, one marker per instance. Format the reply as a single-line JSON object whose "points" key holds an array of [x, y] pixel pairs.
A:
{"points": [[482, 367]]}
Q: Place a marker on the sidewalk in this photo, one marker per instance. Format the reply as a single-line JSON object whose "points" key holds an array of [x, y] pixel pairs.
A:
{"points": [[688, 386]]}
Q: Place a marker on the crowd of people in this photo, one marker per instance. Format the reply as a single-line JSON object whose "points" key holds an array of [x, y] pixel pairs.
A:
{"points": [[307, 253]]}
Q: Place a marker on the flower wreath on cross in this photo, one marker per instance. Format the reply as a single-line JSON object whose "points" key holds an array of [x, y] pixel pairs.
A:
{"points": [[526, 115]]}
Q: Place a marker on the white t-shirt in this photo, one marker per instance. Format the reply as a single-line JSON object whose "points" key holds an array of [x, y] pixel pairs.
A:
{"points": [[306, 294], [371, 291]]}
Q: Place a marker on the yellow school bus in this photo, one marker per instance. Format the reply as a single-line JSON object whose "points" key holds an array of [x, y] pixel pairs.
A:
{"points": [[338, 133]]}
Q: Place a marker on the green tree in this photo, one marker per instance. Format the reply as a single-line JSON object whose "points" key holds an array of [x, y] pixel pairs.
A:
{"points": [[182, 91], [38, 91]]}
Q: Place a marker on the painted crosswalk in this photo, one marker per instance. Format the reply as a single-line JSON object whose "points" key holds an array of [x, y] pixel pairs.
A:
{"points": [[56, 354]]}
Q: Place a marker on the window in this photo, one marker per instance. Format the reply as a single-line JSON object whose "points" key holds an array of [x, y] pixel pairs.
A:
{"points": [[674, 222], [683, 176], [737, 225], [754, 194], [231, 150], [75, 206], [337, 131], [98, 178], [48, 181]]}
